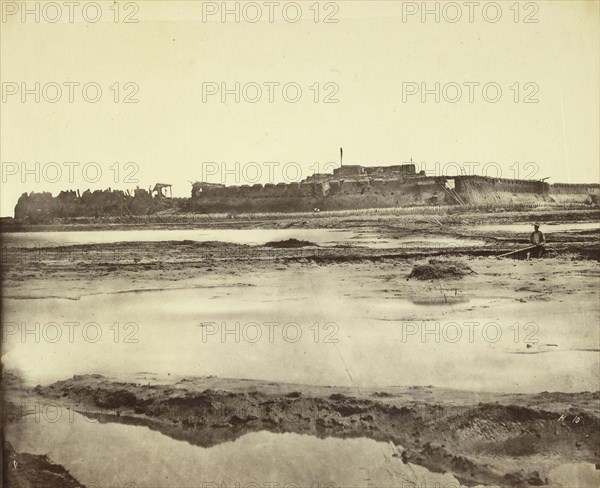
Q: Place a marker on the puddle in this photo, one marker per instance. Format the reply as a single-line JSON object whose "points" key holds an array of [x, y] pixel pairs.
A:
{"points": [[115, 454]]}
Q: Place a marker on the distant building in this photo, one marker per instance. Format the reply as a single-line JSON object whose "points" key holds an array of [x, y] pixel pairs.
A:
{"points": [[352, 171], [348, 170], [408, 169]]}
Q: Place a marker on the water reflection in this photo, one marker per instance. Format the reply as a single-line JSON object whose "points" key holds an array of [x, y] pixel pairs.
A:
{"points": [[111, 453]]}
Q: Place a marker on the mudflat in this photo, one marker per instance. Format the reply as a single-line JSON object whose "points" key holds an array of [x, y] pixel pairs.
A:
{"points": [[488, 372]]}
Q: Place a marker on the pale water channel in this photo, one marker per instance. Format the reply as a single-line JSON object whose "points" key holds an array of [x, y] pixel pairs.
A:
{"points": [[115, 454], [304, 325], [111, 454], [253, 237]]}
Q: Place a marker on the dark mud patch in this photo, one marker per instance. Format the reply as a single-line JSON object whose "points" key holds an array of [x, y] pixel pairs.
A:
{"points": [[437, 269], [290, 244]]}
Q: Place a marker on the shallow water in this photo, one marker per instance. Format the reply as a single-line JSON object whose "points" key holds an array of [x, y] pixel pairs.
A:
{"points": [[114, 454], [305, 325], [108, 453], [321, 237], [235, 236]]}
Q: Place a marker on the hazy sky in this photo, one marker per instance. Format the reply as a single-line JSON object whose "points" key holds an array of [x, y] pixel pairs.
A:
{"points": [[367, 61]]}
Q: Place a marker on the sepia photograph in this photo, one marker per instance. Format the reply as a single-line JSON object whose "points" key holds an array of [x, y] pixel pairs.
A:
{"points": [[300, 244]]}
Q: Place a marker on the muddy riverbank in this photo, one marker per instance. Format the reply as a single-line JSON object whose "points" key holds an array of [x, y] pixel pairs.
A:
{"points": [[480, 439]]}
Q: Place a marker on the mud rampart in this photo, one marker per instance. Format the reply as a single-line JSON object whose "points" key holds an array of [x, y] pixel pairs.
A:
{"points": [[329, 195], [43, 207], [334, 194]]}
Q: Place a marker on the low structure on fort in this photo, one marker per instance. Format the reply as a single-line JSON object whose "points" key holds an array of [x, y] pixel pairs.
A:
{"points": [[347, 188]]}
